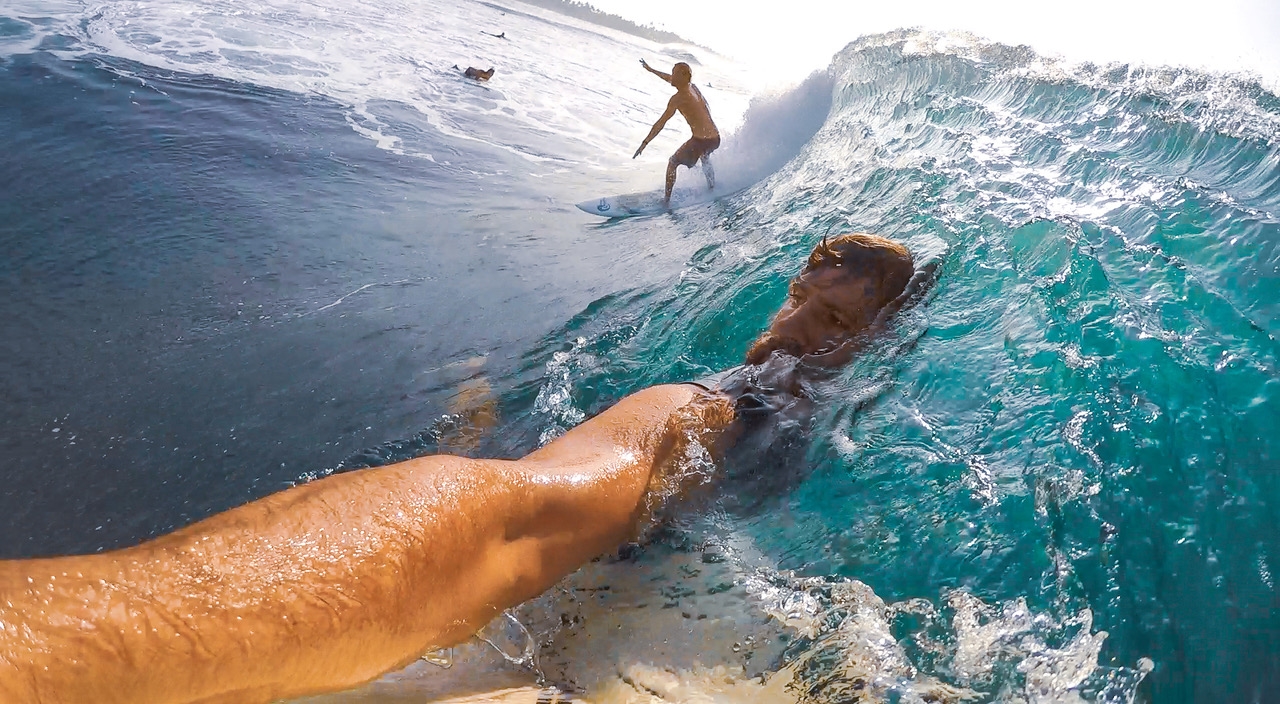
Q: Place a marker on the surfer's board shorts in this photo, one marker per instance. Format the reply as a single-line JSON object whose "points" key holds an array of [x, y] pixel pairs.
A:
{"points": [[696, 148]]}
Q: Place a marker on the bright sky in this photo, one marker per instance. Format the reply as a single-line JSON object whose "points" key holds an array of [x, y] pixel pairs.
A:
{"points": [[794, 37]]}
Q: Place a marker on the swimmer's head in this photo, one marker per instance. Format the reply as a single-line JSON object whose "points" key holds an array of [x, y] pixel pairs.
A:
{"points": [[681, 74], [845, 284]]}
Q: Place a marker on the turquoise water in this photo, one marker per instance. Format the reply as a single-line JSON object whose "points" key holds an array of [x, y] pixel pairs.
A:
{"points": [[1084, 415], [1074, 433]]}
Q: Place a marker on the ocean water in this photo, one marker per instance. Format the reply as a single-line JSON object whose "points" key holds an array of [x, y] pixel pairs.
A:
{"points": [[243, 245]]}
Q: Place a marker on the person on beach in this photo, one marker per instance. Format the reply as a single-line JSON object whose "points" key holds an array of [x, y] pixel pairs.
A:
{"points": [[333, 583], [689, 102]]}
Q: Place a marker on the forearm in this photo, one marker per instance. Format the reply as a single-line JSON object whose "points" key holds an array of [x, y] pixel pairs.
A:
{"points": [[664, 76], [652, 133]]}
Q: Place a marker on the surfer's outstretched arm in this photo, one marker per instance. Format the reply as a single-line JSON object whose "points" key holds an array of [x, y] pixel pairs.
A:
{"points": [[330, 584], [664, 76], [657, 126]]}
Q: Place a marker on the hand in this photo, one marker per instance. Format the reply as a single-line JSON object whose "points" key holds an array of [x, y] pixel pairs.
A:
{"points": [[638, 152], [642, 63]]}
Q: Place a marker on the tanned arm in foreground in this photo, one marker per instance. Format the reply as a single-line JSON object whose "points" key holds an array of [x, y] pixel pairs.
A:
{"points": [[333, 583]]}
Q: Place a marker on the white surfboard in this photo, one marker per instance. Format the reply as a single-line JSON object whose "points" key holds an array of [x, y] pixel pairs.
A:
{"points": [[649, 203]]}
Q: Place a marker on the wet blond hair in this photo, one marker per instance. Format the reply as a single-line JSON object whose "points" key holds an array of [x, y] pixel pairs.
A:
{"points": [[880, 261]]}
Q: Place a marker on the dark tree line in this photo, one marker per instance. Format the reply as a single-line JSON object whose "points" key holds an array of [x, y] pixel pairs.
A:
{"points": [[583, 11]]}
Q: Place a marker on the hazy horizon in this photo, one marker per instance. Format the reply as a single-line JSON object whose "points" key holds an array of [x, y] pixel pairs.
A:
{"points": [[1232, 36]]}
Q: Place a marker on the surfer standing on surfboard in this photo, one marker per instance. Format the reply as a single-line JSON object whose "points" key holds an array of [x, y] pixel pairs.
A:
{"points": [[706, 138]]}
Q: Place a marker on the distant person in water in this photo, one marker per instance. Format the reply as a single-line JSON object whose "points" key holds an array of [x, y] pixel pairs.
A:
{"points": [[689, 102], [330, 584], [496, 36], [477, 74]]}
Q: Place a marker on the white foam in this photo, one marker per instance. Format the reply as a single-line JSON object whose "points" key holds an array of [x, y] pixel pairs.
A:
{"points": [[542, 105], [555, 398]]}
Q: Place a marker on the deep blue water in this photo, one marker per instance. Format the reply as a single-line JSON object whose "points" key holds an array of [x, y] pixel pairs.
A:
{"points": [[213, 289]]}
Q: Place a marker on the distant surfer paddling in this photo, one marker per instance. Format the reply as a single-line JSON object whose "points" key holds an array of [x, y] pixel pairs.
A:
{"points": [[475, 73], [689, 102]]}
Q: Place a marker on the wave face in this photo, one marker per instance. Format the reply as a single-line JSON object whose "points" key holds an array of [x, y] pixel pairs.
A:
{"points": [[1081, 420], [246, 246]]}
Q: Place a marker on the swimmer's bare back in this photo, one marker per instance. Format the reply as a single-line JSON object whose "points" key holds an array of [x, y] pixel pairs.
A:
{"points": [[330, 584]]}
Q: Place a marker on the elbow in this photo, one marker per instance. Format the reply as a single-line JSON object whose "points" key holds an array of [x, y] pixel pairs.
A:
{"points": [[530, 565]]}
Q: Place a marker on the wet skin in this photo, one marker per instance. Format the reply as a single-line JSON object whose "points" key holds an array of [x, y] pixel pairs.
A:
{"points": [[331, 584], [824, 309], [688, 101]]}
